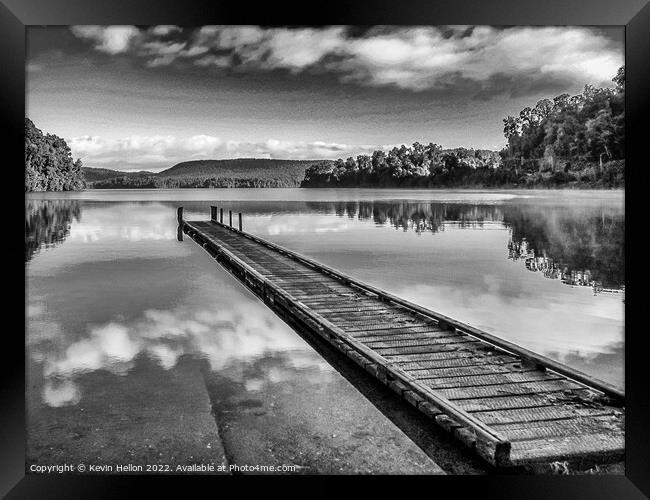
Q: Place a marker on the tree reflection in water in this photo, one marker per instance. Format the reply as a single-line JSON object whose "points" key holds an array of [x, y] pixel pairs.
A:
{"points": [[47, 223], [579, 246]]}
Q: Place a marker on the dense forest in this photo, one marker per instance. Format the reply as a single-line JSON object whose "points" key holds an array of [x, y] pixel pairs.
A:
{"points": [[240, 172], [569, 140], [416, 166], [48, 162], [575, 138]]}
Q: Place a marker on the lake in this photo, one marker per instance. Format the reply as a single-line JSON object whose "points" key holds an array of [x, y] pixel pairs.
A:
{"points": [[137, 342]]}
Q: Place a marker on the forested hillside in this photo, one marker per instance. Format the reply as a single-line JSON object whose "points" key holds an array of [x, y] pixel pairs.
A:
{"points": [[49, 165], [241, 172], [101, 174]]}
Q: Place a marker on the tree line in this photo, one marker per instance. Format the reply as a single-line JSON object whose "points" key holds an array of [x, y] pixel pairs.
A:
{"points": [[576, 140], [416, 166], [153, 181]]}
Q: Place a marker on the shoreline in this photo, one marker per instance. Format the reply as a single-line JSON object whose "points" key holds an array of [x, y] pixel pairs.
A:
{"points": [[405, 188]]}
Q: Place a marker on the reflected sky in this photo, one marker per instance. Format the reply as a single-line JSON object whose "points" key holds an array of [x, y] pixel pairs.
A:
{"points": [[118, 288], [222, 336], [106, 315]]}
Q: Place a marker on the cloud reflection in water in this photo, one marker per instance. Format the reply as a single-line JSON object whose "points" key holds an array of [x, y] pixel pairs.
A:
{"points": [[222, 337]]}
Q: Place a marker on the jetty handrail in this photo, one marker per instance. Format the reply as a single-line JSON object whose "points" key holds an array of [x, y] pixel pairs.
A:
{"points": [[502, 445], [576, 375]]}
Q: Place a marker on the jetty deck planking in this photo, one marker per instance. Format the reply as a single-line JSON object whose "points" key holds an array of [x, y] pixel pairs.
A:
{"points": [[510, 405]]}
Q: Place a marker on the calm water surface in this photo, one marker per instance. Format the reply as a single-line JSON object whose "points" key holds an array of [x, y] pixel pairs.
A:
{"points": [[110, 290]]}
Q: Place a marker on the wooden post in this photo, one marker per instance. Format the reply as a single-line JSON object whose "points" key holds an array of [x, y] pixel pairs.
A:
{"points": [[221, 215], [230, 216], [240, 221], [213, 213], [180, 215]]}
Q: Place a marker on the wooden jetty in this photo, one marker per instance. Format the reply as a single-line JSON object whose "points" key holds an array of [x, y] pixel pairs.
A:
{"points": [[511, 405]]}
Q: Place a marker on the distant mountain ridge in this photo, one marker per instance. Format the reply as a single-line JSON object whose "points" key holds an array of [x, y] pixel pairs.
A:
{"points": [[238, 172], [98, 174], [237, 166]]}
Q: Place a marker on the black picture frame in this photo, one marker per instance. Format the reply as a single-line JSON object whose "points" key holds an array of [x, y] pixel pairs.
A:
{"points": [[15, 15]]}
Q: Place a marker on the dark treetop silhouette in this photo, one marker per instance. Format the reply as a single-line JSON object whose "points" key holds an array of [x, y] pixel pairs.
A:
{"points": [[48, 162]]}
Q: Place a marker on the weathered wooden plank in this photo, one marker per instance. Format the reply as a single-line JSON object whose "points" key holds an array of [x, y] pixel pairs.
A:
{"points": [[445, 352], [364, 314], [354, 298], [329, 296], [488, 379], [370, 323], [524, 401], [333, 297], [462, 371], [351, 309], [399, 342], [301, 293], [373, 334], [515, 389], [389, 317], [398, 333], [392, 351], [324, 309], [407, 326], [449, 362], [600, 446], [578, 426], [370, 339], [287, 269], [294, 276], [351, 300], [279, 273], [309, 289], [542, 413], [302, 279]]}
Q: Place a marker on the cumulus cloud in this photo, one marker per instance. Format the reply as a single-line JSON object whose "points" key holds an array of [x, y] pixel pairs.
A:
{"points": [[164, 29], [412, 58], [158, 152], [109, 39], [143, 151]]}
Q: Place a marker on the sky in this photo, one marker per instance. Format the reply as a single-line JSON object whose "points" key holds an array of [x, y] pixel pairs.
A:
{"points": [[148, 97]]}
